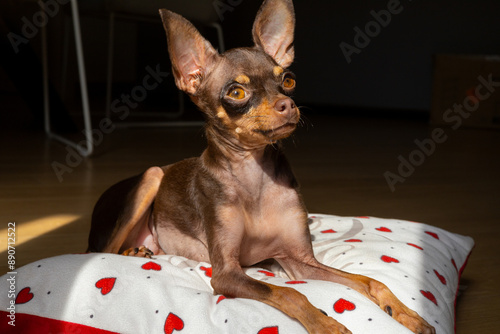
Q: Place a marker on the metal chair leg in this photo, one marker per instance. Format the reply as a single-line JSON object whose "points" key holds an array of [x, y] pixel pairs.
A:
{"points": [[84, 151]]}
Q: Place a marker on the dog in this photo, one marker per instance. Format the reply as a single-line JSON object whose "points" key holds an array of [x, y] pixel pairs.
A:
{"points": [[238, 203]]}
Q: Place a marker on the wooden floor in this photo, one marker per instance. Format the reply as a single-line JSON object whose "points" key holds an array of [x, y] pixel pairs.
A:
{"points": [[339, 160]]}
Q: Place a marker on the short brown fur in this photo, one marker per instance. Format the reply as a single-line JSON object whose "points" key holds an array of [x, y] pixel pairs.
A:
{"points": [[238, 203]]}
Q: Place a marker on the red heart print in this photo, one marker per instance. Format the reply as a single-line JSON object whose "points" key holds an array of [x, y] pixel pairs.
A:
{"points": [[221, 298], [342, 305], [432, 234], [151, 266], [353, 240], [208, 271], [269, 330], [383, 229], [24, 296], [267, 273], [429, 295], [106, 285], [173, 323], [441, 278], [413, 245], [295, 282], [389, 259], [329, 231]]}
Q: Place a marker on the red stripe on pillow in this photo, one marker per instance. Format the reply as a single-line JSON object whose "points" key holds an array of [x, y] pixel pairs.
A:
{"points": [[33, 324]]}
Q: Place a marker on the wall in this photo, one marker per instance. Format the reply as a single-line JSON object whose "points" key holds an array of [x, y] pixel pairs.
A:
{"points": [[395, 69]]}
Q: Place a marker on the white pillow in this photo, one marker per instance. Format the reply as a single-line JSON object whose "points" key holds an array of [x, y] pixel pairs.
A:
{"points": [[95, 293]]}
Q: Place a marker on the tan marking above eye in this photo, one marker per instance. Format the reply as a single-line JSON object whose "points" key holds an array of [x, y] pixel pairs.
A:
{"points": [[277, 71], [242, 79], [237, 93]]}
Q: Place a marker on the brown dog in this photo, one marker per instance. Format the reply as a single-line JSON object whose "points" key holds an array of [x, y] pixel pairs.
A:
{"points": [[237, 204]]}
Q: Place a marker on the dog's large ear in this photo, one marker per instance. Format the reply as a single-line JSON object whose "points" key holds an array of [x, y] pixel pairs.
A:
{"points": [[273, 30], [191, 55]]}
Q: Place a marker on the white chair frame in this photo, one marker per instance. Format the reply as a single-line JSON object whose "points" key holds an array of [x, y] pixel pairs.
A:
{"points": [[89, 149], [89, 146]]}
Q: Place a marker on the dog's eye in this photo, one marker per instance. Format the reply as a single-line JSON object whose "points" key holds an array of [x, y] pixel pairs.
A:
{"points": [[289, 82], [237, 93]]}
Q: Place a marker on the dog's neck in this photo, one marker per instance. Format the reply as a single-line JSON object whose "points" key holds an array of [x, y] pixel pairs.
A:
{"points": [[251, 168], [230, 154]]}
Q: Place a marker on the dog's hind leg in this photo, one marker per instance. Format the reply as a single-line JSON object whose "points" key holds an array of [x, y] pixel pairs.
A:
{"points": [[125, 216]]}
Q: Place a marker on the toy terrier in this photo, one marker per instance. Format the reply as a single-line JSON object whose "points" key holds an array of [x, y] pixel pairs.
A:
{"points": [[238, 203]]}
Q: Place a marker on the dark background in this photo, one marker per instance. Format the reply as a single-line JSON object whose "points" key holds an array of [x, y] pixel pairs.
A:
{"points": [[394, 70], [393, 73]]}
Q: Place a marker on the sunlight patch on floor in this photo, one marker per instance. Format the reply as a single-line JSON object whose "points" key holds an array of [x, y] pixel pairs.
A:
{"points": [[29, 230]]}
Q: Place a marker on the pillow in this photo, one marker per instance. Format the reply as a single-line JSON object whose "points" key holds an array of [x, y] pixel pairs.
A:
{"points": [[99, 293]]}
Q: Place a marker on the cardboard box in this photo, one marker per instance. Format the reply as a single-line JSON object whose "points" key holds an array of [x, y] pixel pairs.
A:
{"points": [[466, 91]]}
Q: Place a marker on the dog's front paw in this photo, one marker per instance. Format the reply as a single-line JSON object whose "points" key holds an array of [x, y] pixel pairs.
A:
{"points": [[415, 323], [142, 251], [399, 311]]}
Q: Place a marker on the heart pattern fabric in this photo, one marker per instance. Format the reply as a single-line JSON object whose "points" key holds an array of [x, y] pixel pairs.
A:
{"points": [[24, 296], [169, 294], [388, 259], [207, 270], [151, 266], [343, 305], [105, 285], [173, 324], [429, 295], [269, 330]]}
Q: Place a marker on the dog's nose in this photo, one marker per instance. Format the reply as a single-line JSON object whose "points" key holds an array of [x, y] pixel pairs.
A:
{"points": [[284, 106]]}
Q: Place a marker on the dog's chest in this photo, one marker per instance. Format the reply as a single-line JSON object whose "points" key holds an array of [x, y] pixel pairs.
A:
{"points": [[260, 192], [269, 210]]}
